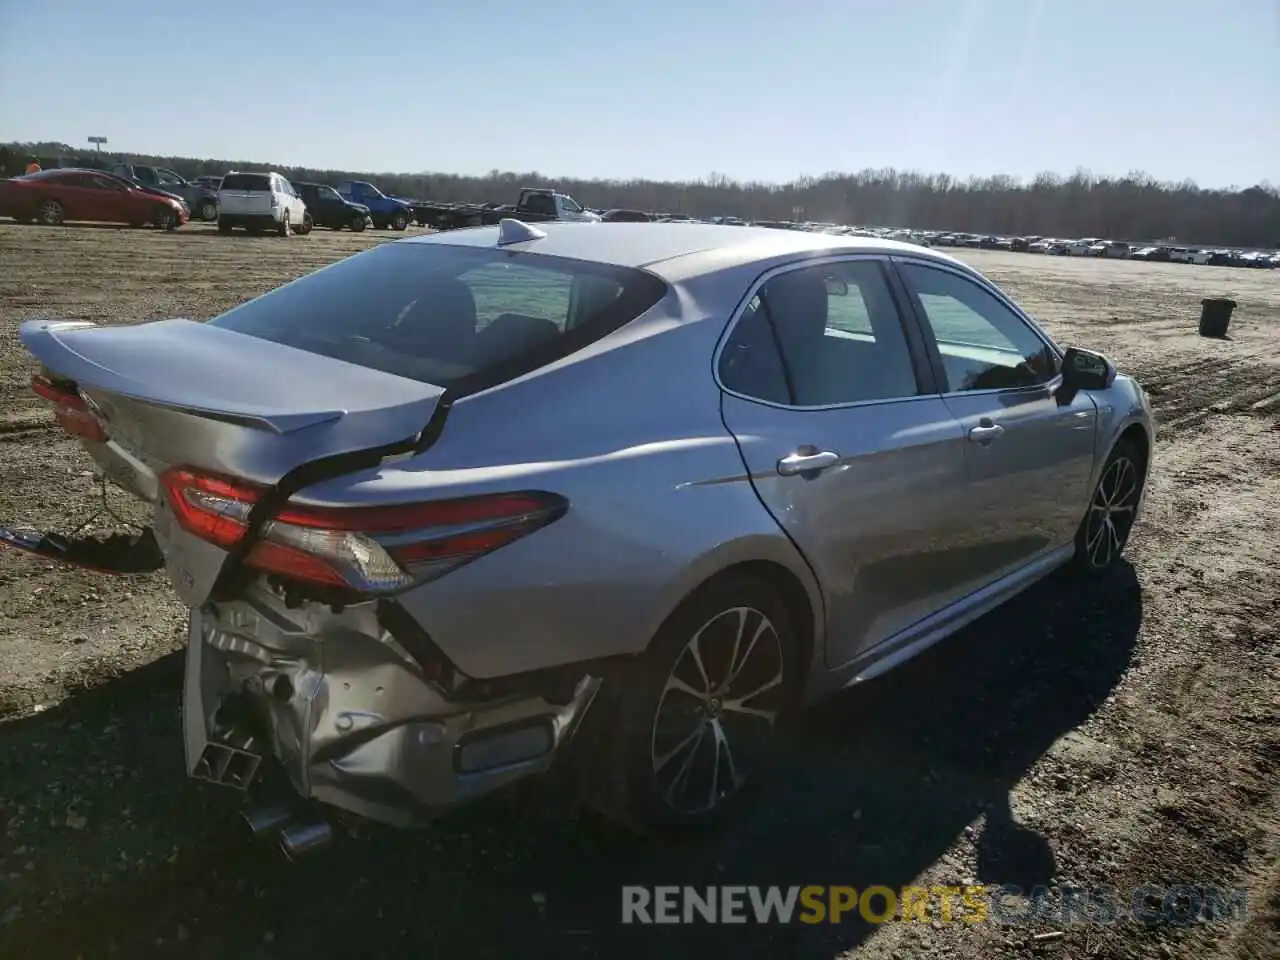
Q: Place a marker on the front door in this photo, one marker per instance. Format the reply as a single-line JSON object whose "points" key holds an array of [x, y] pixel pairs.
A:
{"points": [[1029, 454], [848, 447]]}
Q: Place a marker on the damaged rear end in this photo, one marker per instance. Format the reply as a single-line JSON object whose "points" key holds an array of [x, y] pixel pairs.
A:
{"points": [[302, 667]]}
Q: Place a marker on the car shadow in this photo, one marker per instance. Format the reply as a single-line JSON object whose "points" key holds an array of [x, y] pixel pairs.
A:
{"points": [[878, 784]]}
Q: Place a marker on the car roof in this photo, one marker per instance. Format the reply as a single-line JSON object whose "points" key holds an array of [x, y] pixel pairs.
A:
{"points": [[707, 245], [54, 172]]}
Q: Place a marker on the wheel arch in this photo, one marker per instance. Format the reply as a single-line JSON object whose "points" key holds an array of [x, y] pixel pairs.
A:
{"points": [[797, 590], [1136, 434]]}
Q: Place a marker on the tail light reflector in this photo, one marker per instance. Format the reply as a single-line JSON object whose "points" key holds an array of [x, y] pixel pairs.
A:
{"points": [[365, 549], [70, 409]]}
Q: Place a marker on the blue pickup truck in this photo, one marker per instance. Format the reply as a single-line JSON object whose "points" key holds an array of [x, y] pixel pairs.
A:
{"points": [[383, 210]]}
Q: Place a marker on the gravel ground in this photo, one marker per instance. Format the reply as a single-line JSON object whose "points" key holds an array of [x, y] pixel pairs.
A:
{"points": [[1120, 735]]}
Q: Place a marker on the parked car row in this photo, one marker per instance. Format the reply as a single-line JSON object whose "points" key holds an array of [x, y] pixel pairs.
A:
{"points": [[138, 194], [1111, 249]]}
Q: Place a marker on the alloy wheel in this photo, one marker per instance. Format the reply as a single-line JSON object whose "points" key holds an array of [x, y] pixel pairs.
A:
{"points": [[718, 710], [1111, 514], [50, 213]]}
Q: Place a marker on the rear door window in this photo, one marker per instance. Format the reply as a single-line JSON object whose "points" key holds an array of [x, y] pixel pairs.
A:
{"points": [[821, 336], [448, 315]]}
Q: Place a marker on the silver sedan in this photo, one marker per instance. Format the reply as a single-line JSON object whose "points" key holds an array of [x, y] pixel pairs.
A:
{"points": [[626, 494]]}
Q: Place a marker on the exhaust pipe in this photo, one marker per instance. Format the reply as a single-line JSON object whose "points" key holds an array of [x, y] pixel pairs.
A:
{"points": [[263, 821], [299, 839]]}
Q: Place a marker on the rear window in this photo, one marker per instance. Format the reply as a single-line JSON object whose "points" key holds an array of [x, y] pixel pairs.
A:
{"points": [[458, 317], [246, 181]]}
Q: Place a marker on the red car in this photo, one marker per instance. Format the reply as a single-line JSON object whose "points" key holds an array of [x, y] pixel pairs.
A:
{"points": [[54, 197]]}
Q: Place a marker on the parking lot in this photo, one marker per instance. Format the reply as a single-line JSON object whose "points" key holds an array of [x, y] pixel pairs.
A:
{"points": [[1120, 736]]}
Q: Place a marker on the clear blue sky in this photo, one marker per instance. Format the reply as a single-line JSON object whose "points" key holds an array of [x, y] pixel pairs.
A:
{"points": [[755, 89]]}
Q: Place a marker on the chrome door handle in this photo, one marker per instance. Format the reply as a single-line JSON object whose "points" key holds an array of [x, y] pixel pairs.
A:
{"points": [[797, 463], [985, 432]]}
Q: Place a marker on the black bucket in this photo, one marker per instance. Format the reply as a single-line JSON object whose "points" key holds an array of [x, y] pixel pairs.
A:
{"points": [[1215, 316]]}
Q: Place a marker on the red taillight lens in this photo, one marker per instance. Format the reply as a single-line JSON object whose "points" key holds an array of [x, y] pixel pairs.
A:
{"points": [[70, 409], [366, 549]]}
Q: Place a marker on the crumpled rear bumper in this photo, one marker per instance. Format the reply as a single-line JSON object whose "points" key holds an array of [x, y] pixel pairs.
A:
{"points": [[349, 716]]}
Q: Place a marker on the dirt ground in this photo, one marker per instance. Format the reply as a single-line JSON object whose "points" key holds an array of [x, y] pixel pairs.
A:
{"points": [[1119, 735]]}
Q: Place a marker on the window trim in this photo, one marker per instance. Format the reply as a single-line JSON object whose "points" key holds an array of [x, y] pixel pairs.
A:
{"points": [[931, 342], [921, 359]]}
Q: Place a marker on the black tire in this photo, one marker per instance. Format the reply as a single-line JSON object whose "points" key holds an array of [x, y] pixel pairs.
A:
{"points": [[163, 218], [305, 227], [645, 771], [285, 228], [358, 224], [224, 227], [399, 221], [1104, 532], [207, 210], [51, 214]]}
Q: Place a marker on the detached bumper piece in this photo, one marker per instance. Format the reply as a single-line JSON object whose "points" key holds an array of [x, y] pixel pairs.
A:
{"points": [[333, 702], [118, 553]]}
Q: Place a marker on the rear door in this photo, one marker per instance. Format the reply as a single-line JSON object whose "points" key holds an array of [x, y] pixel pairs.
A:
{"points": [[1029, 454], [848, 445]]}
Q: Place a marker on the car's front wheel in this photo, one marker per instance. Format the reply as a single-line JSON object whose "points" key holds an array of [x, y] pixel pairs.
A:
{"points": [[163, 218], [207, 210], [693, 724], [1105, 530]]}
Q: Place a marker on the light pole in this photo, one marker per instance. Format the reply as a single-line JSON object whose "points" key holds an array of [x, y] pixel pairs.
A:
{"points": [[99, 141]]}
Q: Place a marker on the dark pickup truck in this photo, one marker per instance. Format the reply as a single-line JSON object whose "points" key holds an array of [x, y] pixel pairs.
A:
{"points": [[534, 206]]}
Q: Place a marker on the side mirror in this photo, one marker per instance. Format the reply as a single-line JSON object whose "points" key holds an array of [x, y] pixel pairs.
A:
{"points": [[1086, 370]]}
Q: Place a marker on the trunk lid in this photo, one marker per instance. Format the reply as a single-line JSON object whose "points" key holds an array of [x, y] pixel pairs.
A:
{"points": [[177, 392]]}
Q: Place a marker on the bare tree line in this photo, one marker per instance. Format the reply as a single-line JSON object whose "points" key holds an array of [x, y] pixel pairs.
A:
{"points": [[1133, 207]]}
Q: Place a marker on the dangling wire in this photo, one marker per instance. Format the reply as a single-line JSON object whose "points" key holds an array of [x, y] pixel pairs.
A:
{"points": [[104, 509]]}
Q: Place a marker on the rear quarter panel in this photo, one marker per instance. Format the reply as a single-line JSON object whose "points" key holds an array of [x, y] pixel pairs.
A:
{"points": [[630, 432]]}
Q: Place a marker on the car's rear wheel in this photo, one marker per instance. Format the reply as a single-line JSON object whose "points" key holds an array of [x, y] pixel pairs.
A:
{"points": [[207, 210], [1104, 531], [51, 214], [359, 222], [285, 227], [399, 221], [307, 223], [691, 726]]}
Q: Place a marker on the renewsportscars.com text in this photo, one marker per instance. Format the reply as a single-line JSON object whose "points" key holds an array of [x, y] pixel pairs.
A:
{"points": [[1066, 905]]}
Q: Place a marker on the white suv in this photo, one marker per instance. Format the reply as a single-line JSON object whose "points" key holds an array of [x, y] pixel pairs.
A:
{"points": [[261, 201]]}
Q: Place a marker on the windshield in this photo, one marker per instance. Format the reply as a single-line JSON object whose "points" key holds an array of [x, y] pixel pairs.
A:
{"points": [[446, 315]]}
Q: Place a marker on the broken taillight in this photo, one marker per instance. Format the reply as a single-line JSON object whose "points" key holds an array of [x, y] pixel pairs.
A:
{"points": [[365, 549], [70, 409]]}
